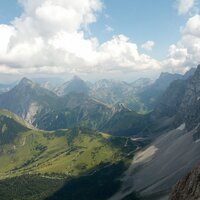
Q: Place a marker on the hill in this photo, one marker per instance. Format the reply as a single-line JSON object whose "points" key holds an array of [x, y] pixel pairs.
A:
{"points": [[62, 156]]}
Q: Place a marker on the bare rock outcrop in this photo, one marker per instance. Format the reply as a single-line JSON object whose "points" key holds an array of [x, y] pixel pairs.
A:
{"points": [[188, 188]]}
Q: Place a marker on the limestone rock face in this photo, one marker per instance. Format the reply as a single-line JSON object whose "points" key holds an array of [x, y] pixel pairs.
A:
{"points": [[190, 107], [182, 101], [188, 188]]}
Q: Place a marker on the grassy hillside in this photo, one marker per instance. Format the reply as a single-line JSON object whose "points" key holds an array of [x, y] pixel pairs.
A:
{"points": [[71, 156], [67, 152], [99, 186]]}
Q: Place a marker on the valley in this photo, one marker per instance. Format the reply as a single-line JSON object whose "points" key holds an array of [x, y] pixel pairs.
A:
{"points": [[100, 100], [73, 144], [64, 156]]}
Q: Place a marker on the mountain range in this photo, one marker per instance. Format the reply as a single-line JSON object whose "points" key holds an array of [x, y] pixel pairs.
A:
{"points": [[175, 147], [80, 132], [45, 110]]}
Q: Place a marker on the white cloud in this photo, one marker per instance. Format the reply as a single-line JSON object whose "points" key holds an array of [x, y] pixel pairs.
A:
{"points": [[108, 28], [124, 54], [148, 45], [184, 6], [192, 26], [186, 53], [49, 37]]}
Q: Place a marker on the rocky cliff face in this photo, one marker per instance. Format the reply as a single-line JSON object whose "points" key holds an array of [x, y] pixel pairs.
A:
{"points": [[27, 99], [189, 109], [188, 188], [151, 94], [182, 101], [172, 98]]}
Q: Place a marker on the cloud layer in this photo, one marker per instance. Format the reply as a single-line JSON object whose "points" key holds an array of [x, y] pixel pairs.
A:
{"points": [[186, 53], [148, 45], [51, 37], [184, 6]]}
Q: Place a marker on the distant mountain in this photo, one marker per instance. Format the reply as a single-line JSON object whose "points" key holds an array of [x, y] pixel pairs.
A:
{"points": [[6, 87], [75, 109], [189, 73], [112, 92], [125, 122], [107, 91], [181, 100], [78, 110], [76, 85], [28, 99], [141, 83], [45, 110], [165, 79], [49, 83], [151, 94]]}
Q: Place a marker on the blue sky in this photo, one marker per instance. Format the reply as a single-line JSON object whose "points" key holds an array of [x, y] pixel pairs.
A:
{"points": [[9, 9], [140, 20], [122, 38]]}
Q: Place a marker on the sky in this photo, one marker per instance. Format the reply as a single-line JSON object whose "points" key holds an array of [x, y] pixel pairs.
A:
{"points": [[97, 39]]}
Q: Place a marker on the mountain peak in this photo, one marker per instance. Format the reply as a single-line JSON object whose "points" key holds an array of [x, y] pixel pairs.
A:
{"points": [[168, 75], [75, 85], [197, 73], [118, 107], [189, 73], [76, 78], [163, 74], [25, 81], [198, 69]]}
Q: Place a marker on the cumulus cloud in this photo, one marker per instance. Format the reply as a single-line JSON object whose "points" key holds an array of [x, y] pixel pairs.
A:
{"points": [[49, 37], [108, 28], [121, 52], [148, 45], [186, 53], [184, 6]]}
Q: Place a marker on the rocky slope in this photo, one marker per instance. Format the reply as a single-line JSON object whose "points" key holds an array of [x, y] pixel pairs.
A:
{"points": [[124, 122], [175, 150], [75, 110], [28, 99], [76, 85], [181, 101], [111, 92], [46, 110], [151, 94], [140, 95], [156, 169], [188, 188]]}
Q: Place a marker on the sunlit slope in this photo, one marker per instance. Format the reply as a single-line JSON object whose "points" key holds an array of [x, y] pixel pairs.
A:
{"points": [[64, 152]]}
